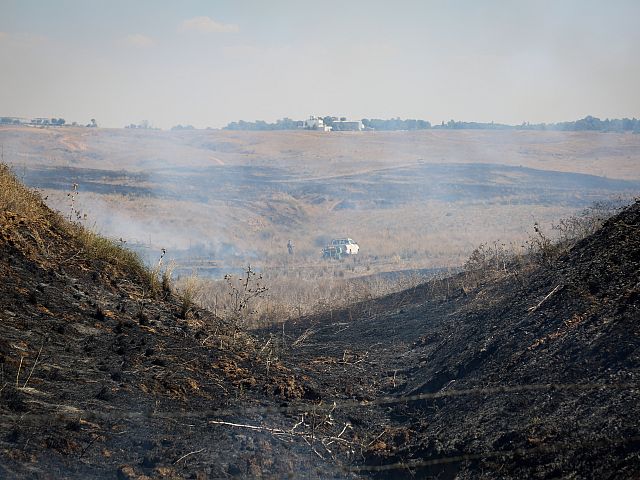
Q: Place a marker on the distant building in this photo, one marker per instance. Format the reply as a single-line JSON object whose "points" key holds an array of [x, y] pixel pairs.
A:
{"points": [[316, 123], [347, 125]]}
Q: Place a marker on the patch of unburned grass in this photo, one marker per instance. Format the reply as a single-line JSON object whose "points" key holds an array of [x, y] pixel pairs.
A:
{"points": [[29, 206], [15, 197], [100, 248]]}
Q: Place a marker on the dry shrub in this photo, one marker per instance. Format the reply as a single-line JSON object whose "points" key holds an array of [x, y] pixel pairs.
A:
{"points": [[540, 248], [289, 294], [188, 295], [576, 227]]}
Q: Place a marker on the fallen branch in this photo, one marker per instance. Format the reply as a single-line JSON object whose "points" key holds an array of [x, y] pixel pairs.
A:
{"points": [[534, 308], [274, 431], [187, 454]]}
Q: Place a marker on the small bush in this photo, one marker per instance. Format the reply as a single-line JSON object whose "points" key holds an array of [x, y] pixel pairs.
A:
{"points": [[540, 248], [188, 295], [585, 223]]}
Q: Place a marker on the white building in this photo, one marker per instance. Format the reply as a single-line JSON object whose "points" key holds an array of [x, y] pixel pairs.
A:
{"points": [[316, 123]]}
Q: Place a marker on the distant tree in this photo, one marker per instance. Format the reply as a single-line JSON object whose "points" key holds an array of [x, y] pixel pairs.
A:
{"points": [[395, 124]]}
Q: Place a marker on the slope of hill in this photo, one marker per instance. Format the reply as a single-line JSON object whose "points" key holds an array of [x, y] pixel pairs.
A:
{"points": [[239, 197], [530, 374], [102, 372]]}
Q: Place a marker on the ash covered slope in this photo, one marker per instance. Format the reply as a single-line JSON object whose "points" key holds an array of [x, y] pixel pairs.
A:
{"points": [[529, 351], [509, 333], [102, 376], [512, 332]]}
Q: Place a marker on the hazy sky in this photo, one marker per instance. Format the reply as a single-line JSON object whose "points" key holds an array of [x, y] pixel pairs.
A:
{"points": [[207, 63]]}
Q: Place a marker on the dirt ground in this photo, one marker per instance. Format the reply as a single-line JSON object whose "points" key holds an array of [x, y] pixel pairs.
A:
{"points": [[526, 374], [523, 376]]}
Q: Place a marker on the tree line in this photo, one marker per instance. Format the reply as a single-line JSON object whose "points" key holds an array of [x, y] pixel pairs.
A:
{"points": [[588, 123]]}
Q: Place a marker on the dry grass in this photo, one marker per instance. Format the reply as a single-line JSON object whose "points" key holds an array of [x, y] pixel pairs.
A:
{"points": [[16, 198], [540, 248], [188, 294], [419, 234], [103, 249], [29, 206], [288, 295], [257, 220]]}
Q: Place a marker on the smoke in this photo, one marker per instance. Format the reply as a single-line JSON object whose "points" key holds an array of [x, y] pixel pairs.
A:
{"points": [[422, 199]]}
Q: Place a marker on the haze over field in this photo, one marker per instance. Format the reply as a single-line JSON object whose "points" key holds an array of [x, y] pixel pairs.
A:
{"points": [[421, 199], [414, 200]]}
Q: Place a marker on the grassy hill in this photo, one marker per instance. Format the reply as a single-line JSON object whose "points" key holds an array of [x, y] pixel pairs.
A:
{"points": [[103, 367]]}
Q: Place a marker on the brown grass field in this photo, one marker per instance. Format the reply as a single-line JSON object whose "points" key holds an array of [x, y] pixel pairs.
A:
{"points": [[415, 201]]}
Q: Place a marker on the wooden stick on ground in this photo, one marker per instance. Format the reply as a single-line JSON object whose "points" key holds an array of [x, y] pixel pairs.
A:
{"points": [[534, 308], [187, 454]]}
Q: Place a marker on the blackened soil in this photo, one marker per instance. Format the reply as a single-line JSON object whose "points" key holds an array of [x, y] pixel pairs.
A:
{"points": [[490, 379], [101, 379], [531, 373]]}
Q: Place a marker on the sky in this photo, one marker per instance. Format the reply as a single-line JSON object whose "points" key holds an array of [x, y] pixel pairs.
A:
{"points": [[207, 63]]}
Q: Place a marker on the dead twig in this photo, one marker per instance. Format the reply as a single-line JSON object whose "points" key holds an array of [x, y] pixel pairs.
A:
{"points": [[534, 308], [274, 431], [300, 340], [188, 454], [18, 373], [376, 439], [84, 450], [33, 367]]}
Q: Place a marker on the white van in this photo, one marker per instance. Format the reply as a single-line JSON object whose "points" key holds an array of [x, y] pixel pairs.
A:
{"points": [[350, 246]]}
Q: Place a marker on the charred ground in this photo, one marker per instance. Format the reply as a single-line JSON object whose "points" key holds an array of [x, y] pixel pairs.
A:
{"points": [[105, 375], [526, 372]]}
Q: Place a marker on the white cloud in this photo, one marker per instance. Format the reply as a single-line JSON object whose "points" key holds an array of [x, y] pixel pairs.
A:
{"points": [[207, 25], [139, 41]]}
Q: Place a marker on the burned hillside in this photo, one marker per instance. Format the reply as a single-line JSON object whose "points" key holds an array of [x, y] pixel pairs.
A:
{"points": [[105, 372], [526, 371], [521, 373]]}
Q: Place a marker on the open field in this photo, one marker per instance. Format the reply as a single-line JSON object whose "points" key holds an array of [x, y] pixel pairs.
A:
{"points": [[217, 200]]}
